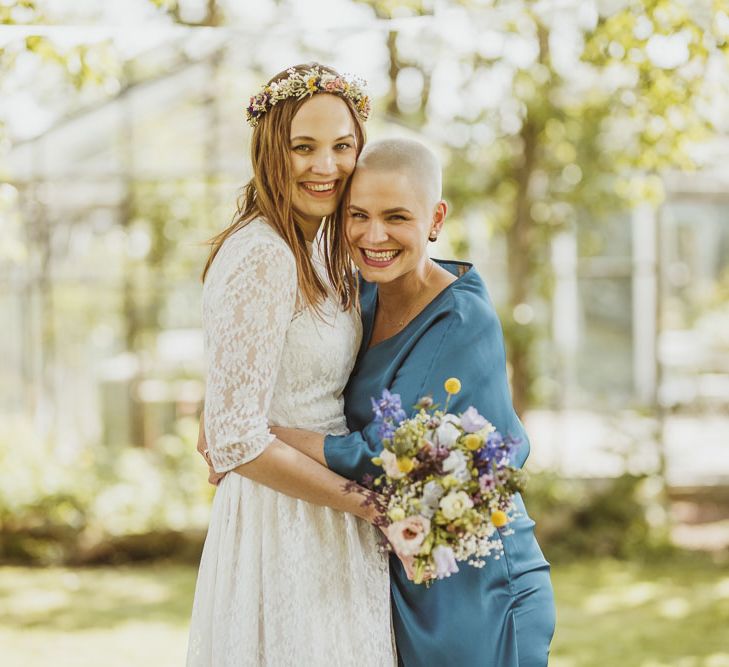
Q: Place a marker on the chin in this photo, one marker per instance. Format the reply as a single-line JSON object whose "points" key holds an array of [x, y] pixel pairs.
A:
{"points": [[373, 275], [316, 212]]}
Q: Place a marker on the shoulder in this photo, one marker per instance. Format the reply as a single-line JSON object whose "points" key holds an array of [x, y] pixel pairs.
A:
{"points": [[467, 304], [256, 237], [251, 247]]}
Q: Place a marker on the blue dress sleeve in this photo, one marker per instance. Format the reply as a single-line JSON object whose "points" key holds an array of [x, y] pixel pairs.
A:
{"points": [[464, 341]]}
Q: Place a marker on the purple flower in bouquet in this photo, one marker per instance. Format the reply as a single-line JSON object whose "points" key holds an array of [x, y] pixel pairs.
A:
{"points": [[471, 421], [391, 406], [386, 430], [445, 561], [388, 413], [496, 449]]}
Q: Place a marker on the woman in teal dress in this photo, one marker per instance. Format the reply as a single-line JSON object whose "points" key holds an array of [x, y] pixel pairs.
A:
{"points": [[423, 322], [503, 614]]}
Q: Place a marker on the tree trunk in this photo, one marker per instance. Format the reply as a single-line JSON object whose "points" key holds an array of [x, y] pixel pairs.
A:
{"points": [[520, 265], [521, 250]]}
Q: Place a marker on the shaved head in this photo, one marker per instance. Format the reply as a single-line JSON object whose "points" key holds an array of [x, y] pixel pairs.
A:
{"points": [[408, 157]]}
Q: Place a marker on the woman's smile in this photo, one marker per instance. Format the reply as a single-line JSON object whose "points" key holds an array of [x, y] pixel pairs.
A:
{"points": [[380, 258], [320, 190]]}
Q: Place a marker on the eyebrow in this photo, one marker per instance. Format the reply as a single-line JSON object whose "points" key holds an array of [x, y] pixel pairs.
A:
{"points": [[346, 136], [388, 211]]}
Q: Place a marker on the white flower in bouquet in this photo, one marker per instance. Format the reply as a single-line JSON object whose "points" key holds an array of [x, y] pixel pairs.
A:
{"points": [[445, 561], [390, 466], [447, 434], [455, 504], [457, 465], [432, 493]]}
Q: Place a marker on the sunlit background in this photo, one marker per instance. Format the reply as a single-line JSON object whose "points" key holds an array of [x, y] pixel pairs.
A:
{"points": [[585, 145]]}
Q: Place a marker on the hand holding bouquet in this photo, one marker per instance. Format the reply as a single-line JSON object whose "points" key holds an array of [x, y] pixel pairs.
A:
{"points": [[447, 485]]}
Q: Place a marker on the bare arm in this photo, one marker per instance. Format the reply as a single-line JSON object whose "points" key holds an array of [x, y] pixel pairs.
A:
{"points": [[307, 442], [288, 471], [311, 444], [284, 469]]}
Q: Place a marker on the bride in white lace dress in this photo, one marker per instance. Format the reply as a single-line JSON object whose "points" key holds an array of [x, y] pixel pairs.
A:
{"points": [[289, 574]]}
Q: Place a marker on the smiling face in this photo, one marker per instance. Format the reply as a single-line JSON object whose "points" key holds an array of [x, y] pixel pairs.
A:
{"points": [[323, 153], [388, 222]]}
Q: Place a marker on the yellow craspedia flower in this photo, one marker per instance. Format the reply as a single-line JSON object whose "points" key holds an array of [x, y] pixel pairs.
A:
{"points": [[405, 464], [499, 518], [472, 441], [452, 385], [396, 514]]}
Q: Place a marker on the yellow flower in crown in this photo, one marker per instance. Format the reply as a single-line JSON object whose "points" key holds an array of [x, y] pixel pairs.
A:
{"points": [[311, 84]]}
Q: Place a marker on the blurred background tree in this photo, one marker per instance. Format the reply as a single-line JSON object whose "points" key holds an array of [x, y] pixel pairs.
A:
{"points": [[557, 124], [537, 141], [584, 147]]}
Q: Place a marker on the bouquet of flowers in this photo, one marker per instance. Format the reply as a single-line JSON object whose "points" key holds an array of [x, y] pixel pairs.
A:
{"points": [[447, 485]]}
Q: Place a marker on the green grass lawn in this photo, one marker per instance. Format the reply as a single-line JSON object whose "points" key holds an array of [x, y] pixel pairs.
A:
{"points": [[609, 613]]}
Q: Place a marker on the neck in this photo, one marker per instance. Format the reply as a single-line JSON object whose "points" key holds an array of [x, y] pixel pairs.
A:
{"points": [[399, 293], [310, 227]]}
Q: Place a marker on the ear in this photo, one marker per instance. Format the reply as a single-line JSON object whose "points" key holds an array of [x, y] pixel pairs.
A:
{"points": [[439, 216]]}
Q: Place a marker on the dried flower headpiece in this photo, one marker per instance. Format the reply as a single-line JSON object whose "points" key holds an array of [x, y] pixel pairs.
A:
{"points": [[312, 81]]}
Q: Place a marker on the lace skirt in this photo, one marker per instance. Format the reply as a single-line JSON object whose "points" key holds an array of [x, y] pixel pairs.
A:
{"points": [[283, 582]]}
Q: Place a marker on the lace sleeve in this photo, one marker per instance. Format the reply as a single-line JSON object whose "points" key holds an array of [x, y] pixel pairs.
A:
{"points": [[248, 302]]}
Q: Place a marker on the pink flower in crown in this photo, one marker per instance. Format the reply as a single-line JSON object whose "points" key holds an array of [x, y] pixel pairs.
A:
{"points": [[408, 534], [334, 86]]}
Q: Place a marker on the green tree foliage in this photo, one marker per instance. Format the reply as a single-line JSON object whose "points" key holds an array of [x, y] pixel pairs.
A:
{"points": [[94, 68], [566, 142]]}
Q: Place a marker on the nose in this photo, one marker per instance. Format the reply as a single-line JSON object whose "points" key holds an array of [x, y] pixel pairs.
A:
{"points": [[375, 233], [323, 163]]}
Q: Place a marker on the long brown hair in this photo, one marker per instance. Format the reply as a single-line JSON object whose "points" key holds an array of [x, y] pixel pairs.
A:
{"points": [[268, 195]]}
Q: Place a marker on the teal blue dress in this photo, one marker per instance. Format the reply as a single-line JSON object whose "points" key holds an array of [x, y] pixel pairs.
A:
{"points": [[501, 615]]}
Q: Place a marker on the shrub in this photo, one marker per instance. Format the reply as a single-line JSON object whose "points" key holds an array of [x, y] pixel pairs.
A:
{"points": [[147, 502]]}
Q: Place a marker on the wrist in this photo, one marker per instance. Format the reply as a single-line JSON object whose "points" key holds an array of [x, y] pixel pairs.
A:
{"points": [[372, 514], [375, 510]]}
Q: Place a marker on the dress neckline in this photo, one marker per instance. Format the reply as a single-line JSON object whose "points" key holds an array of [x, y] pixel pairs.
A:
{"points": [[462, 269]]}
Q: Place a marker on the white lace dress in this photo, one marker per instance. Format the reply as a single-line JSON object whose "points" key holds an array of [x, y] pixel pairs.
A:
{"points": [[282, 582]]}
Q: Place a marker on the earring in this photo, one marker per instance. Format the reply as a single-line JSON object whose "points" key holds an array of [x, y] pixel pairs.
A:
{"points": [[433, 236]]}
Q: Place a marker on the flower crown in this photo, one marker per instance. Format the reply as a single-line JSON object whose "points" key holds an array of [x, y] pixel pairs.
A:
{"points": [[312, 81]]}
